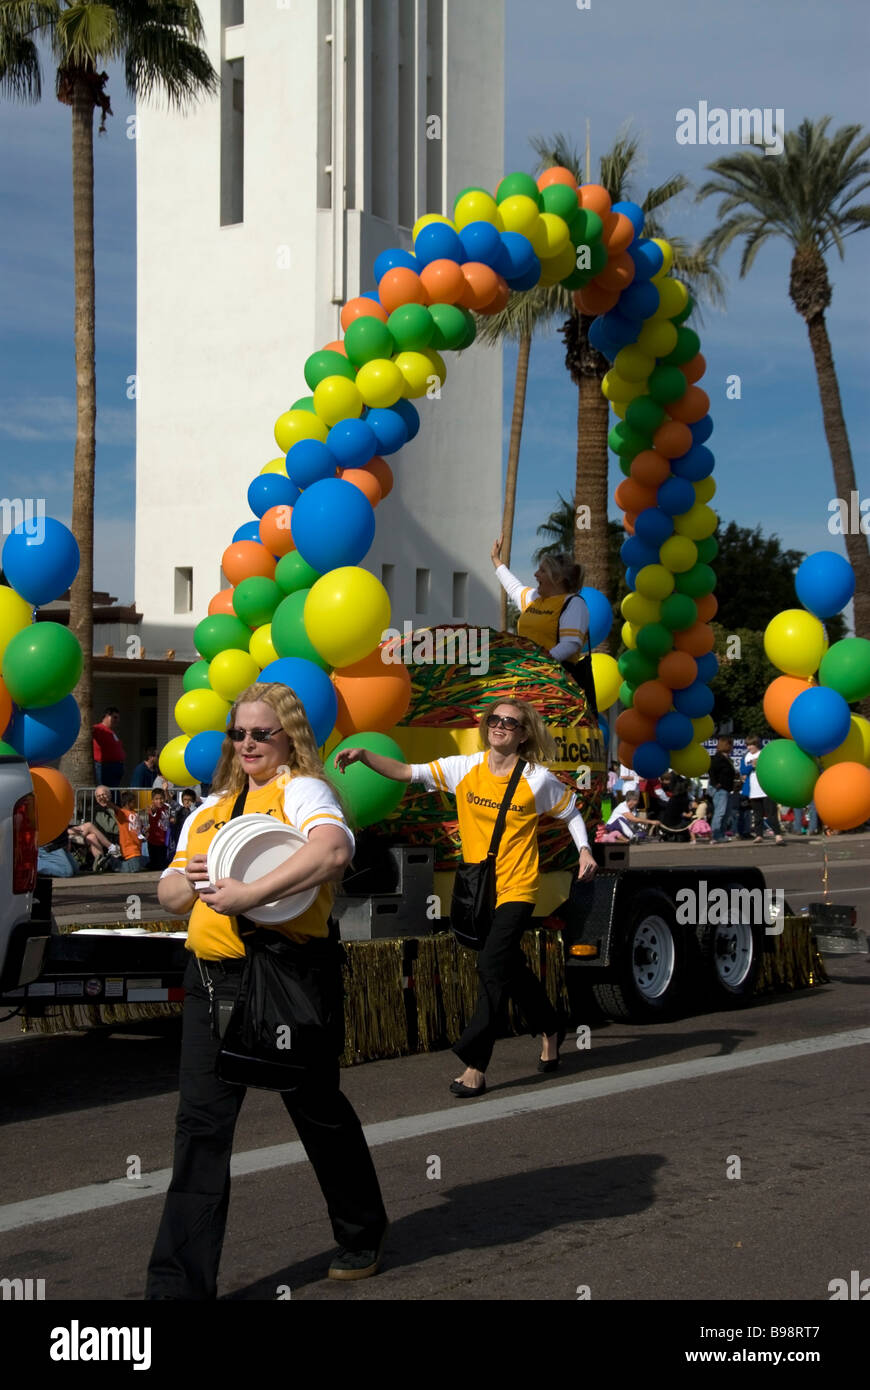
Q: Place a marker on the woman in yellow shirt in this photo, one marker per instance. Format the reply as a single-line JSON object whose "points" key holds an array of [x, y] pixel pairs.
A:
{"points": [[269, 765], [509, 730]]}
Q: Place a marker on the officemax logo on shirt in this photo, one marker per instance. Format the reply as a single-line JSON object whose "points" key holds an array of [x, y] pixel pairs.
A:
{"points": [[486, 801]]}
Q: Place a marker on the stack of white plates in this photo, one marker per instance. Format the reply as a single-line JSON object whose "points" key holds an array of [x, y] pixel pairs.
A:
{"points": [[250, 847]]}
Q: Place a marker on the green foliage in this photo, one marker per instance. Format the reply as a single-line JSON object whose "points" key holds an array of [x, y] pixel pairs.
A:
{"points": [[740, 683]]}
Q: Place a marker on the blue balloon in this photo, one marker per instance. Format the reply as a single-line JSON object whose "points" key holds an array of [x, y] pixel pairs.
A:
{"points": [[408, 412], [202, 753], [270, 490], [40, 559], [308, 461], [653, 526], [825, 582], [697, 463], [648, 259], [633, 212], [352, 442], [249, 532], [438, 242], [389, 429], [708, 665], [675, 496], [600, 613], [481, 241], [527, 280], [636, 553], [639, 301], [650, 760], [674, 730], [41, 735], [818, 720], [393, 259], [702, 429], [695, 701], [631, 577], [598, 334], [333, 525], [620, 329], [520, 254], [312, 687], [371, 294]]}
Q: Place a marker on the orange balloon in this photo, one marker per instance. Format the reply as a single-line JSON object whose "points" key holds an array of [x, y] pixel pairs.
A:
{"points": [[383, 472], [779, 697], [707, 606], [631, 497], [366, 482], [5, 707], [650, 468], [443, 282], [635, 727], [628, 522], [592, 299], [55, 802], [481, 285], [653, 699], [275, 532], [625, 753], [557, 174], [618, 233], [401, 286], [360, 308], [336, 346], [246, 559], [502, 295], [696, 640], [691, 407], [372, 694], [222, 603], [842, 796], [673, 439], [618, 273], [595, 197], [678, 669], [694, 370]]}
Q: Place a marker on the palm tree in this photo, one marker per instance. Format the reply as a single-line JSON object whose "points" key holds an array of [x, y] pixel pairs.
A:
{"points": [[587, 366], [806, 195], [158, 42], [522, 316]]}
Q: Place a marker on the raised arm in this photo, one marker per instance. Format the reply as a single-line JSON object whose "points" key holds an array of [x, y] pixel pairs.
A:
{"points": [[378, 762]]}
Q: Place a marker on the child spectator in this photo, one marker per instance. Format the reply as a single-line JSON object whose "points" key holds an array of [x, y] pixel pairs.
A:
{"points": [[700, 828], [158, 828], [130, 836], [622, 820], [189, 802]]}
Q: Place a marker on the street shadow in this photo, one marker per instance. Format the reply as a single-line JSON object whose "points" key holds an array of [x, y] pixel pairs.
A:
{"points": [[500, 1211]]}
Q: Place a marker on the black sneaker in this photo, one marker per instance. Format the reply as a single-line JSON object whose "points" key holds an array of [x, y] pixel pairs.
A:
{"points": [[357, 1264]]}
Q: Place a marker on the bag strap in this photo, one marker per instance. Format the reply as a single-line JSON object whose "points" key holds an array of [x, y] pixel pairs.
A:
{"points": [[501, 818], [559, 620], [246, 926]]}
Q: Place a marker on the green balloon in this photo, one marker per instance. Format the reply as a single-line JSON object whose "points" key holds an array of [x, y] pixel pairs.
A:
{"points": [[327, 363], [293, 573], [786, 772], [845, 668], [625, 465], [635, 668], [598, 258], [220, 632], [667, 384], [367, 796], [450, 326], [586, 228], [561, 200], [470, 333], [684, 313], [41, 665], [412, 327], [696, 582], [626, 694], [577, 279], [305, 403], [626, 441], [289, 637], [7, 751], [645, 414], [514, 184], [654, 641], [688, 346], [678, 612], [196, 677], [707, 549], [256, 599], [366, 339]]}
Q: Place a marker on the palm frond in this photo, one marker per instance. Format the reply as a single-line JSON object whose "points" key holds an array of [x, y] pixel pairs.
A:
{"points": [[20, 71], [86, 35], [524, 315]]}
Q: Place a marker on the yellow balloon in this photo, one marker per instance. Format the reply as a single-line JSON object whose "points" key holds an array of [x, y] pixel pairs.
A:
{"points": [[558, 267], [638, 610], [345, 614], [855, 747], [616, 388], [15, 615], [171, 762], [607, 678], [231, 672], [619, 408], [417, 371], [678, 554], [629, 636], [425, 220], [439, 366], [550, 236], [380, 383], [475, 206], [200, 710], [262, 649], [692, 761], [697, 523], [673, 298], [658, 337], [519, 214], [294, 425], [794, 642], [705, 490], [275, 466], [668, 252], [633, 364], [704, 727], [654, 581], [336, 398]]}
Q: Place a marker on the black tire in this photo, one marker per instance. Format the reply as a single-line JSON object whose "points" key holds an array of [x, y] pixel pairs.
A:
{"points": [[735, 959], [651, 964]]}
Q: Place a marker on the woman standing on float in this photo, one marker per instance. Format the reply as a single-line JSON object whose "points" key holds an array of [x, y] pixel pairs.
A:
{"points": [[509, 730]]}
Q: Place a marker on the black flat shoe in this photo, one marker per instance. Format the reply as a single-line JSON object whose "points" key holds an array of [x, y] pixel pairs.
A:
{"points": [[552, 1065], [458, 1088]]}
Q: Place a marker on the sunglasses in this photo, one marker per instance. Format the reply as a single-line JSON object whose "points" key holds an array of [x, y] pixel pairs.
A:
{"points": [[258, 735], [493, 721]]}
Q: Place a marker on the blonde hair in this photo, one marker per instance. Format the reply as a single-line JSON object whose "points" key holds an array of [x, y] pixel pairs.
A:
{"points": [[303, 759], [538, 746], [564, 572]]}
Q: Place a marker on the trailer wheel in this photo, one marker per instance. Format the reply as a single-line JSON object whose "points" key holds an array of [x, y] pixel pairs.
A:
{"points": [[735, 960], [651, 964]]}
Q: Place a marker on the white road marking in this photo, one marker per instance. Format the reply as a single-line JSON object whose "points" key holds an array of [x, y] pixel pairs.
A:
{"points": [[58, 1205]]}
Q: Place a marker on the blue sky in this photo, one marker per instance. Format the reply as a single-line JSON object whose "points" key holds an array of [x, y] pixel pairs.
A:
{"points": [[613, 63]]}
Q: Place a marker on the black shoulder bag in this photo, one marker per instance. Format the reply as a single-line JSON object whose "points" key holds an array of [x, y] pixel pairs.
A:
{"points": [[473, 904], [288, 1017], [581, 670]]}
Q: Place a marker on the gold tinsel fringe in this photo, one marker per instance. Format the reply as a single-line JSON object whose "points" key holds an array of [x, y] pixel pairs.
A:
{"points": [[374, 1002], [795, 962]]}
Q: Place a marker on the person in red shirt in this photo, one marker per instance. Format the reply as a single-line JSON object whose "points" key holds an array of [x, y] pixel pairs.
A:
{"points": [[158, 824], [109, 755]]}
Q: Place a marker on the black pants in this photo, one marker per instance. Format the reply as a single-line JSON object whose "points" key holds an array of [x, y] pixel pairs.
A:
{"points": [[504, 972], [157, 856], [764, 808], [184, 1262]]}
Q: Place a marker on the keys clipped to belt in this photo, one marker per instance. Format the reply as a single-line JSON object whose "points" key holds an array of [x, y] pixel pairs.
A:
{"points": [[220, 1009]]}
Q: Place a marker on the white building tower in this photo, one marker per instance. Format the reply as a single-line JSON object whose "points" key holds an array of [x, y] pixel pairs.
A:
{"points": [[259, 214]]}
